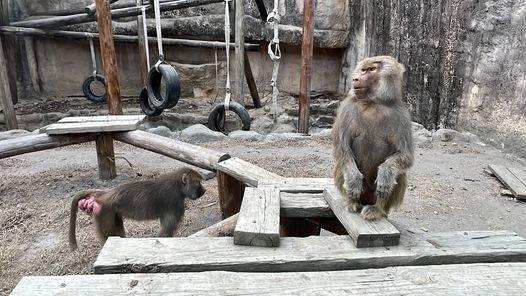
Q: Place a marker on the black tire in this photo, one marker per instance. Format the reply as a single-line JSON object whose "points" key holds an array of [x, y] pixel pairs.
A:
{"points": [[173, 86], [86, 89], [216, 116], [144, 102]]}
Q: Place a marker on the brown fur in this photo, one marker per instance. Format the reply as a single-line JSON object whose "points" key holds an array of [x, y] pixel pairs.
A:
{"points": [[372, 139], [162, 198]]}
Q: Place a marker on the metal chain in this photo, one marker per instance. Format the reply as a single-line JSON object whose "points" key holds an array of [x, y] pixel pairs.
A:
{"points": [[274, 53]]}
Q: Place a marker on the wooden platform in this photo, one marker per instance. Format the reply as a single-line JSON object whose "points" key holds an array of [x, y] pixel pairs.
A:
{"points": [[468, 279], [513, 178], [94, 124], [315, 253], [247, 172]]}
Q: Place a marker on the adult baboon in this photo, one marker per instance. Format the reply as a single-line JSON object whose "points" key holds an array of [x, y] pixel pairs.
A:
{"points": [[372, 139]]}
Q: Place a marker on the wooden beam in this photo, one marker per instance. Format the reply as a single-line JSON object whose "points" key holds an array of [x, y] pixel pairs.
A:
{"points": [[9, 49], [304, 205], [109, 58], [38, 142], [247, 172], [6, 93], [258, 222], [103, 118], [60, 21], [223, 228], [188, 153], [262, 10], [378, 233], [143, 63], [29, 43], [315, 253], [251, 82], [230, 192], [306, 65], [457, 279], [303, 185], [511, 178], [121, 38], [92, 8], [239, 65], [106, 157], [90, 127]]}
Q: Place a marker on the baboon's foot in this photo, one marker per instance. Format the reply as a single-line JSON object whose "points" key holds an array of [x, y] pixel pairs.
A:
{"points": [[372, 213], [354, 206]]}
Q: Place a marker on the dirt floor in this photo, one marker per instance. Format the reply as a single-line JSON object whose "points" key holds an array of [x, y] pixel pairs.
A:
{"points": [[448, 190]]}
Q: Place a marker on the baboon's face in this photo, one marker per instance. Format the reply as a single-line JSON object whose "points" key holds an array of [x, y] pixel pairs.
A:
{"points": [[193, 187], [366, 79]]}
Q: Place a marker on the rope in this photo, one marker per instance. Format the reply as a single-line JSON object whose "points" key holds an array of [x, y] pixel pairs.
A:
{"points": [[145, 32], [92, 50], [274, 53], [227, 44], [159, 32]]}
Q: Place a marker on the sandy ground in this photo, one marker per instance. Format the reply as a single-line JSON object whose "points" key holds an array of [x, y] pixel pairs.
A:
{"points": [[448, 190]]}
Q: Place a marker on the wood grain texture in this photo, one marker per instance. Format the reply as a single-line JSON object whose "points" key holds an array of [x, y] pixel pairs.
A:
{"points": [[106, 157], [38, 142], [89, 127], [510, 179], [103, 118], [364, 233], [304, 205], [315, 253], [230, 193], [6, 94], [307, 49], [222, 228], [258, 222], [301, 185], [247, 172]]}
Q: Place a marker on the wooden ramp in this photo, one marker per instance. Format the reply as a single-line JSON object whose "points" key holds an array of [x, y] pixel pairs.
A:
{"points": [[315, 253], [472, 279], [513, 178]]}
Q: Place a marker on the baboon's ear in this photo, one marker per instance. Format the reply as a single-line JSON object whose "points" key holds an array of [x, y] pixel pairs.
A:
{"points": [[184, 179]]}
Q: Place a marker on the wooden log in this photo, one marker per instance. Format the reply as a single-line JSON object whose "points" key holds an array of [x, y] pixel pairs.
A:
{"points": [[108, 56], [251, 82], [143, 63], [378, 233], [81, 10], [456, 279], [38, 142], [511, 178], [9, 49], [262, 10], [92, 8], [239, 65], [89, 127], [5, 92], [222, 228], [106, 157], [258, 222], [230, 192], [121, 38], [247, 172], [315, 253], [67, 20], [32, 64], [188, 153], [306, 64]]}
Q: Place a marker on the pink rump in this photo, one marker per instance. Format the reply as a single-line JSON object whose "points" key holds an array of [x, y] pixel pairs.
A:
{"points": [[89, 205]]}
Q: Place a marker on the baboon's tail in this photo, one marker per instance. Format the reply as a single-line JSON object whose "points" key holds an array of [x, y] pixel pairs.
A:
{"points": [[73, 215]]}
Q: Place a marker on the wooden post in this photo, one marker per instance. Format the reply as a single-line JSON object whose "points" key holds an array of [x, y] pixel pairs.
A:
{"points": [[109, 59], [239, 66], [32, 63], [9, 49], [106, 157], [230, 192], [92, 8], [251, 82], [306, 61], [262, 10], [143, 65], [5, 92]]}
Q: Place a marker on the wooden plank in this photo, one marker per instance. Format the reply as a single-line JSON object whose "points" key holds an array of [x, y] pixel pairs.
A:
{"points": [[230, 192], [307, 49], [6, 92], [364, 233], [239, 64], [247, 172], [89, 127], [471, 279], [509, 180], [33, 143], [304, 205], [251, 82], [188, 153], [303, 185], [315, 253], [103, 118], [29, 43], [223, 228], [108, 56], [258, 222], [521, 175]]}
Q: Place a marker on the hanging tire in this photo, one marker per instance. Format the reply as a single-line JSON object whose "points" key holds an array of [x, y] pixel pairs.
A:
{"points": [[216, 115], [86, 88], [173, 86], [146, 107]]}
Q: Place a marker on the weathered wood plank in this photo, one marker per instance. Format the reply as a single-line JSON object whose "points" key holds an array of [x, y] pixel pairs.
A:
{"points": [[32, 143], [303, 185], [315, 253], [6, 93], [103, 118], [509, 180], [223, 228], [230, 193], [469, 279], [258, 222], [521, 175], [364, 233], [304, 205], [247, 172], [90, 127], [307, 50]]}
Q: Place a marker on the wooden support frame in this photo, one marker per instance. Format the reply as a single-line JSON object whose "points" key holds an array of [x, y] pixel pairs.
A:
{"points": [[251, 82], [5, 92], [106, 156], [38, 142], [223, 228], [9, 49], [262, 10], [239, 65], [230, 194], [306, 65]]}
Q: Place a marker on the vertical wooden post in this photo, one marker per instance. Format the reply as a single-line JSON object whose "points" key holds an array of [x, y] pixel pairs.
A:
{"points": [[306, 61], [106, 157], [143, 65], [109, 59], [32, 63], [239, 66], [5, 92], [9, 49], [230, 192], [251, 83]]}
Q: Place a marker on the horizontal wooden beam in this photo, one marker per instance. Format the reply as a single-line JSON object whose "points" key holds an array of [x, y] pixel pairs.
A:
{"points": [[38, 142], [247, 172], [304, 205], [222, 228], [314, 253], [121, 38], [188, 153]]}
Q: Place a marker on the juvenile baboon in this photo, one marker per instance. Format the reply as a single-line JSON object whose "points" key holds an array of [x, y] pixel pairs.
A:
{"points": [[161, 198], [372, 139]]}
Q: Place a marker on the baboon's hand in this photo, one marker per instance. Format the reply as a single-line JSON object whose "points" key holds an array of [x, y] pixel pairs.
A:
{"points": [[385, 182], [354, 185]]}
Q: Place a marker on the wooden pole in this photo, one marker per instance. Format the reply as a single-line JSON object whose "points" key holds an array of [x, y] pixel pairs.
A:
{"points": [[143, 65], [306, 61], [5, 92], [262, 10], [106, 156], [32, 63], [92, 8], [9, 49], [239, 66], [251, 83]]}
